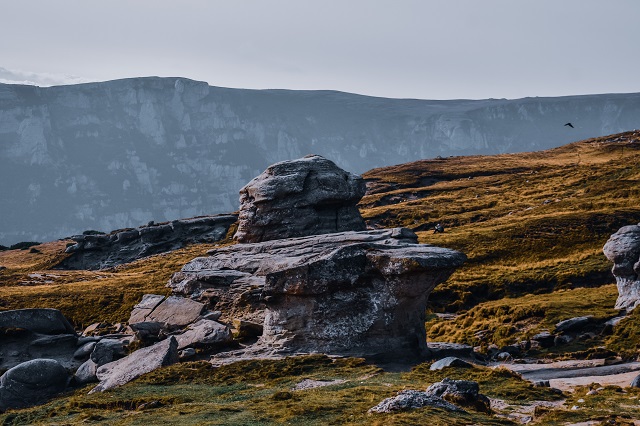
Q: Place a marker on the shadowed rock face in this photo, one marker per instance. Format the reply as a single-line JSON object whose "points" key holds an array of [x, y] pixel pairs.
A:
{"points": [[353, 293], [623, 249], [308, 196], [124, 246]]}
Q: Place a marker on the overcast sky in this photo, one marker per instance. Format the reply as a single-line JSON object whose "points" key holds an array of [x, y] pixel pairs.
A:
{"points": [[425, 49]]}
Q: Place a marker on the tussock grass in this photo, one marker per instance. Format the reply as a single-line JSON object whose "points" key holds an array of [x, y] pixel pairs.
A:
{"points": [[529, 223]]}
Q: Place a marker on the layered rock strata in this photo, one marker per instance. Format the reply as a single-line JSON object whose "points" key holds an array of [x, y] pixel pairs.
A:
{"points": [[296, 198], [352, 293], [99, 251], [623, 249]]}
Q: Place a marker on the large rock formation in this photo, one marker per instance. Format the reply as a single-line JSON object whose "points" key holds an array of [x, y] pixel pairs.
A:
{"points": [[308, 196], [623, 249], [355, 293], [31, 383], [99, 251]]}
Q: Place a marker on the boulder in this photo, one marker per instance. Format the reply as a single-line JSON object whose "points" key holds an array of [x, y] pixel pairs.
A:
{"points": [[142, 361], [623, 249], [86, 373], [573, 324], [31, 383], [412, 399], [635, 383], [204, 333], [447, 349], [173, 312], [44, 321], [84, 351], [307, 196], [18, 346], [124, 246], [544, 339], [352, 293], [462, 392], [449, 362], [106, 351]]}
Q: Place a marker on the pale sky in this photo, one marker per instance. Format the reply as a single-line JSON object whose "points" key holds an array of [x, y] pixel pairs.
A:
{"points": [[426, 49]]}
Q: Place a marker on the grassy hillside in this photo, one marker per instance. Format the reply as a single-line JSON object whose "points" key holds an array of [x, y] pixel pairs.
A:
{"points": [[529, 223]]}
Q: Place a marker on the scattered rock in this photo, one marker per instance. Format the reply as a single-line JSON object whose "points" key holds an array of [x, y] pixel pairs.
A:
{"points": [[45, 321], [204, 333], [123, 246], [573, 324], [94, 328], [562, 340], [86, 373], [106, 351], [31, 383], [503, 356], [623, 249], [544, 339], [84, 351], [186, 354], [541, 383], [412, 399], [308, 196], [448, 362], [462, 392], [142, 361]]}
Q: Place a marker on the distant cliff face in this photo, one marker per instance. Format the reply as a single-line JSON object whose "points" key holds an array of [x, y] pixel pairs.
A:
{"points": [[118, 154]]}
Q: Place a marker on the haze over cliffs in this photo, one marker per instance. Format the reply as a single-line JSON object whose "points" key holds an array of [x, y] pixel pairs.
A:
{"points": [[120, 153]]}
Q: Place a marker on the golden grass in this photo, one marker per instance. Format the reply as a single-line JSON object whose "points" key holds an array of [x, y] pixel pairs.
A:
{"points": [[529, 223]]}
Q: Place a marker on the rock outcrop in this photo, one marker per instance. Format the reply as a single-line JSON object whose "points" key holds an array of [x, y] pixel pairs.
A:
{"points": [[623, 249], [460, 392], [44, 321], [352, 293], [412, 399], [99, 251], [296, 198]]}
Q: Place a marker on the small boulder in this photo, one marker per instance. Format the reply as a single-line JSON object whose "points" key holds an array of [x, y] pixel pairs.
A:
{"points": [[86, 373], [204, 333], [573, 324], [635, 383], [31, 383], [462, 392], [174, 312], [412, 399], [448, 362], [142, 361], [84, 351], [106, 351], [544, 339]]}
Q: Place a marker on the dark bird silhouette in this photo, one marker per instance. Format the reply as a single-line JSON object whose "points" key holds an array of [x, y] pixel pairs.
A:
{"points": [[570, 125]]}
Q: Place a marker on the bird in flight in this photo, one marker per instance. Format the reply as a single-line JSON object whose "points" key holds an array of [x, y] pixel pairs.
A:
{"points": [[570, 125]]}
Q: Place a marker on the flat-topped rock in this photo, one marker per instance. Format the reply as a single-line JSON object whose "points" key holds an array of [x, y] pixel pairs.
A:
{"points": [[623, 249], [352, 293], [45, 321], [307, 196]]}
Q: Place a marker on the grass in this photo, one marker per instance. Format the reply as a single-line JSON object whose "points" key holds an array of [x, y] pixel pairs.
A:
{"points": [[529, 223], [260, 392]]}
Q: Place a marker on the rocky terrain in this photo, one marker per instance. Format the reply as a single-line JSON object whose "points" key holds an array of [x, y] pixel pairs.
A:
{"points": [[118, 154], [329, 326]]}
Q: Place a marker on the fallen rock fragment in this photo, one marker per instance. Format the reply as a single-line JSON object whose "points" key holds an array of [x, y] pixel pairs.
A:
{"points": [[142, 361], [106, 351], [462, 392], [412, 399], [174, 311], [449, 362], [204, 333], [32, 383]]}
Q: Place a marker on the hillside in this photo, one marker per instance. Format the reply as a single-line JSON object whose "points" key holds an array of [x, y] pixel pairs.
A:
{"points": [[118, 154]]}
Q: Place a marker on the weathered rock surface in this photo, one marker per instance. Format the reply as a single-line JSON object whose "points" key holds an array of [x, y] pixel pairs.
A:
{"points": [[204, 333], [412, 399], [107, 250], [357, 293], [106, 351], [573, 324], [142, 361], [44, 321], [623, 249], [296, 198], [462, 392], [86, 373], [31, 383], [449, 362], [173, 312]]}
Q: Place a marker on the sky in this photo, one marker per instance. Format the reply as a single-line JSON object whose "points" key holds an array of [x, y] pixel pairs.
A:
{"points": [[446, 49]]}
